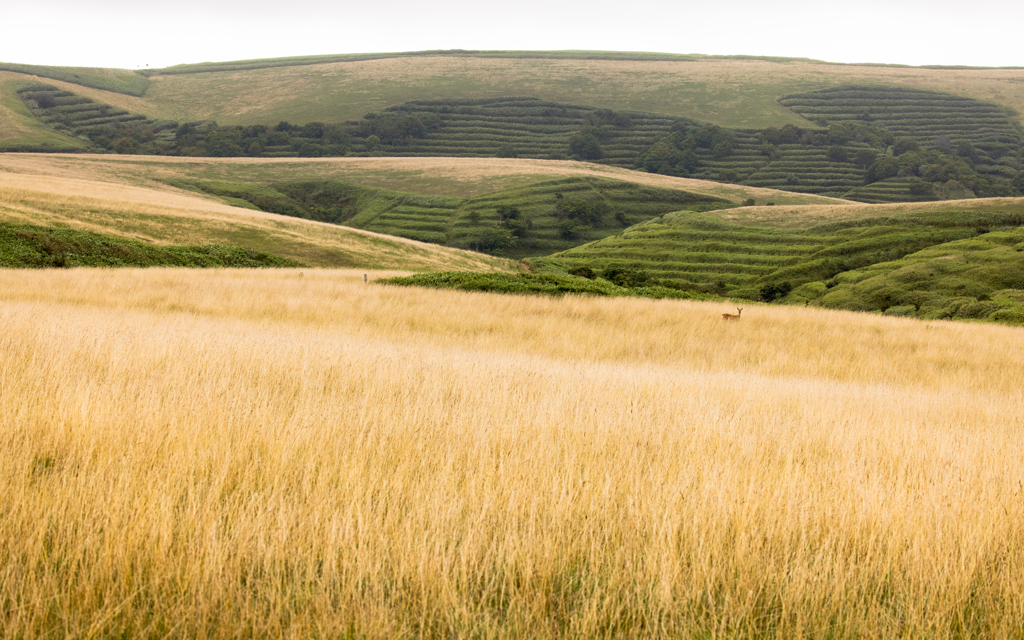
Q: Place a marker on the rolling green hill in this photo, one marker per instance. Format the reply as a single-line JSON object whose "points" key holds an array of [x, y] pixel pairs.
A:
{"points": [[980, 277], [924, 261]]}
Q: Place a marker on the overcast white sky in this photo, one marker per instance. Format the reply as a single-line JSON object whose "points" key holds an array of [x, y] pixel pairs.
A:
{"points": [[135, 33]]}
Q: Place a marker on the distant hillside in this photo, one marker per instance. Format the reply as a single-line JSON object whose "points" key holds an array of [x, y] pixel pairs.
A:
{"points": [[872, 144], [738, 91], [732, 91], [115, 80], [726, 119]]}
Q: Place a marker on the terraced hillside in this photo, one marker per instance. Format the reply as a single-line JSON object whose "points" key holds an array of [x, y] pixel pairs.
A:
{"points": [[537, 219], [94, 123], [736, 92], [937, 138], [748, 253], [929, 117]]}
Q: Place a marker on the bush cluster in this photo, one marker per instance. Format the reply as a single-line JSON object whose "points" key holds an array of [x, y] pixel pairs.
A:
{"points": [[34, 246]]}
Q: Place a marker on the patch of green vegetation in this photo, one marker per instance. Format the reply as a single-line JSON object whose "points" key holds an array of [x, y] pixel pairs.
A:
{"points": [[701, 251], [979, 278], [530, 284], [116, 80], [33, 246], [539, 218]]}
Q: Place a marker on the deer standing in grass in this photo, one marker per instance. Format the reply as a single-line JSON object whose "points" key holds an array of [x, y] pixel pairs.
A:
{"points": [[733, 316]]}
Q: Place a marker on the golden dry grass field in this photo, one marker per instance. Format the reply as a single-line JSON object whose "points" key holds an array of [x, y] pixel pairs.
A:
{"points": [[298, 454]]}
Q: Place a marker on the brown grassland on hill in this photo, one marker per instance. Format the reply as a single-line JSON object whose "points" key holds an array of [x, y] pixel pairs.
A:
{"points": [[298, 454], [169, 216]]}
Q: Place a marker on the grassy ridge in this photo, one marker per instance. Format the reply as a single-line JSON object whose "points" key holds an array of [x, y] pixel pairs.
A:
{"points": [[269, 63], [34, 246], [114, 80]]}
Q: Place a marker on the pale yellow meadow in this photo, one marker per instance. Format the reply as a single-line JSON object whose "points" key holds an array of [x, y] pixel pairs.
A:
{"points": [[299, 454]]}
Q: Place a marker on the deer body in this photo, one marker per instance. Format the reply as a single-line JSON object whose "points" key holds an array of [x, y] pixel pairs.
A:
{"points": [[733, 316]]}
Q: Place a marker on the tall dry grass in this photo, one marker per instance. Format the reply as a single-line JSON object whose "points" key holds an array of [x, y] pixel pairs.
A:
{"points": [[297, 454]]}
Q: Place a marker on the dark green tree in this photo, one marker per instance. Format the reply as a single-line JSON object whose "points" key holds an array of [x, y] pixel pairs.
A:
{"points": [[585, 146], [864, 158], [790, 134], [837, 153], [903, 145]]}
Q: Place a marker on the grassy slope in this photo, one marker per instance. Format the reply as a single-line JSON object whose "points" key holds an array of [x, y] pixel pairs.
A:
{"points": [[18, 129], [472, 190], [116, 80], [936, 260], [164, 217], [471, 222], [733, 92]]}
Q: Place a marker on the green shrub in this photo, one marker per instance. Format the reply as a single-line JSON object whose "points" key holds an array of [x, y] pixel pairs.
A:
{"points": [[530, 284], [774, 291], [904, 310], [978, 309], [583, 271], [845, 298], [33, 246], [1014, 316]]}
